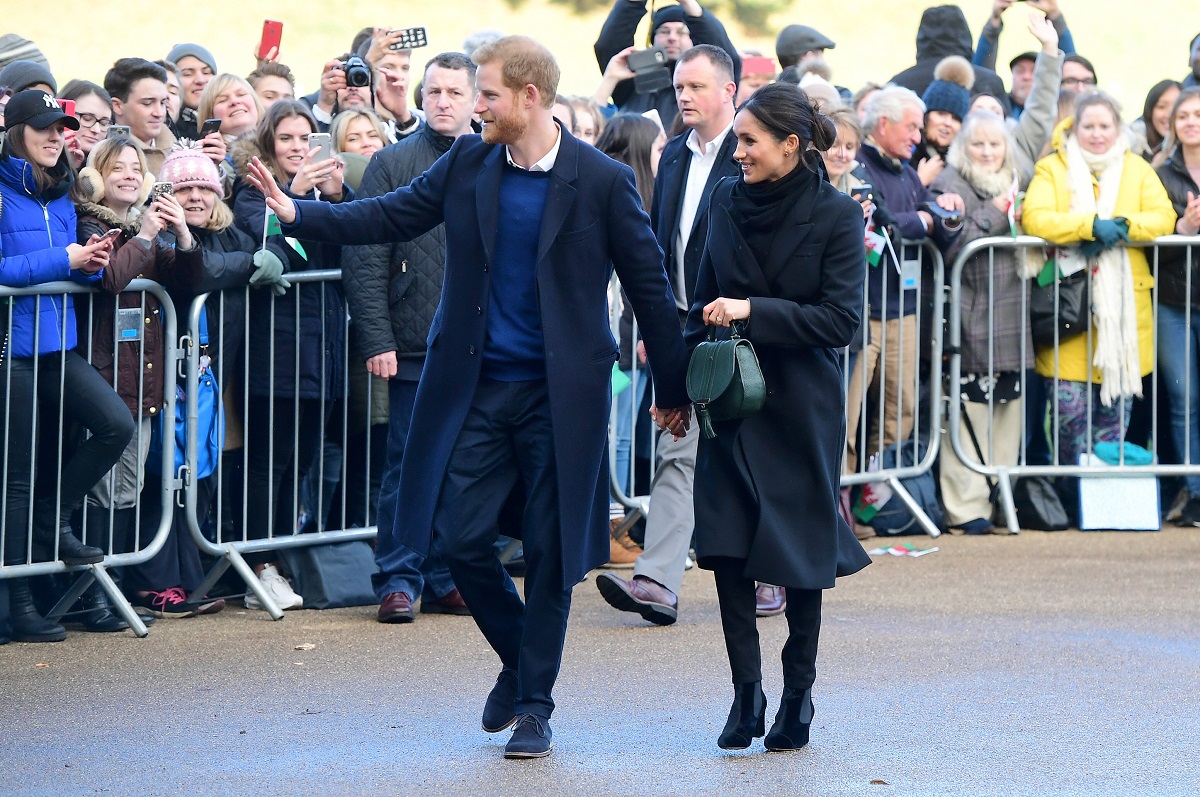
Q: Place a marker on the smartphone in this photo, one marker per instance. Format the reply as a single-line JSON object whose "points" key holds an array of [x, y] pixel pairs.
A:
{"points": [[410, 38], [268, 45], [651, 57], [111, 234], [118, 131], [161, 188], [210, 126], [323, 144], [68, 107], [861, 192], [649, 68]]}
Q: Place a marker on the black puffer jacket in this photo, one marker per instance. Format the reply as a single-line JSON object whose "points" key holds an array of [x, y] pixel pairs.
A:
{"points": [[1173, 260], [943, 31], [393, 289]]}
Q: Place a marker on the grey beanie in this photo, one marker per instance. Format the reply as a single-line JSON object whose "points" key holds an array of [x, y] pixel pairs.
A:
{"points": [[20, 75], [195, 51], [14, 48]]}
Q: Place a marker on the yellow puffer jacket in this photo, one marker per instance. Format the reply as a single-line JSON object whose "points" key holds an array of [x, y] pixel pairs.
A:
{"points": [[1047, 214]]}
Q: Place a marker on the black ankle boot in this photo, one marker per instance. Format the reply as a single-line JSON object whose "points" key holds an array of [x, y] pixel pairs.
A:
{"points": [[97, 615], [790, 731], [71, 551], [27, 624], [747, 717]]}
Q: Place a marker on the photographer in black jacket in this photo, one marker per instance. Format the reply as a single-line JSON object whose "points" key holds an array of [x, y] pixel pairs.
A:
{"points": [[393, 291], [676, 29]]}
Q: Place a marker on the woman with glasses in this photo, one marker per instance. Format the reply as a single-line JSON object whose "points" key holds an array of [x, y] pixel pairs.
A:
{"points": [[93, 109]]}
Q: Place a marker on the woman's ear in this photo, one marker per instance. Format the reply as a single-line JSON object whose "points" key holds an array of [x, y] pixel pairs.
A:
{"points": [[91, 183]]}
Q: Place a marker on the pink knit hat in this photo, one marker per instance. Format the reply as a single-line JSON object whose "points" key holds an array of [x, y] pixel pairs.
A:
{"points": [[188, 167]]}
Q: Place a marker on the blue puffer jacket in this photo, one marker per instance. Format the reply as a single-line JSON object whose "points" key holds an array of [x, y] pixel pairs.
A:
{"points": [[35, 230]]}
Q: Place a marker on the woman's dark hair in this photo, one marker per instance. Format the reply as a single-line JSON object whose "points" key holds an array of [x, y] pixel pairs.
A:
{"points": [[14, 145], [1189, 93], [82, 88], [1152, 97], [264, 137], [629, 138], [785, 110]]}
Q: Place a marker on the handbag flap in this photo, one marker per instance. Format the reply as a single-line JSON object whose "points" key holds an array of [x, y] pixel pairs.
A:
{"points": [[711, 370]]}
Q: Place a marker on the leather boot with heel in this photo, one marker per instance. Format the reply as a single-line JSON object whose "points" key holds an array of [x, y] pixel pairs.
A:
{"points": [[96, 613], [792, 723], [27, 624], [71, 550], [747, 717]]}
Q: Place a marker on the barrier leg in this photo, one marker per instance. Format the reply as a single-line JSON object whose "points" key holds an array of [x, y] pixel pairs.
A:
{"points": [[119, 602], [917, 512], [1006, 501], [253, 582], [77, 589], [632, 515]]}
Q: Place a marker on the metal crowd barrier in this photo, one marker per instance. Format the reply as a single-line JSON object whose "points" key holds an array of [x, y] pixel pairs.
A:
{"points": [[1004, 473], [874, 414], [231, 544], [146, 542]]}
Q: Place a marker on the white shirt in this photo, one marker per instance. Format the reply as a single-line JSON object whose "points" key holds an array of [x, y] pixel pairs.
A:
{"points": [[546, 163], [700, 166]]}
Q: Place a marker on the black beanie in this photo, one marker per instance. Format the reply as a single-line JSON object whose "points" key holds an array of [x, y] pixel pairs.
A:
{"points": [[665, 15]]}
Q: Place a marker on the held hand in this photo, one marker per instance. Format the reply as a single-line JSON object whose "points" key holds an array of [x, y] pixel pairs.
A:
{"points": [[382, 365], [930, 168], [951, 202], [330, 177], [618, 65], [172, 213], [80, 255], [98, 262], [268, 268], [381, 41], [998, 8], [153, 221], [868, 208], [260, 177], [722, 312], [213, 145], [691, 8], [333, 78], [677, 421], [1043, 30]]}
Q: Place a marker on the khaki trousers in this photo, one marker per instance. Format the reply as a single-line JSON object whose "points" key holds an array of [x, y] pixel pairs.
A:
{"points": [[899, 400], [966, 495]]}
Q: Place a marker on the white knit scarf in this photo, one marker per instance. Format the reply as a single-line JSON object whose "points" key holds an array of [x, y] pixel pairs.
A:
{"points": [[1114, 310]]}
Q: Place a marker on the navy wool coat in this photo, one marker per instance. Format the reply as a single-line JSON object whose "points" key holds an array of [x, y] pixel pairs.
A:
{"points": [[767, 486], [593, 222]]}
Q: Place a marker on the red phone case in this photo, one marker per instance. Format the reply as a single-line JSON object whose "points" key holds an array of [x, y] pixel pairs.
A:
{"points": [[68, 106], [271, 36]]}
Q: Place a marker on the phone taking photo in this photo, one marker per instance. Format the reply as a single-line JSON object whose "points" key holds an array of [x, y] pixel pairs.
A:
{"points": [[67, 106], [160, 189], [410, 38], [210, 126], [323, 144], [268, 45], [118, 131]]}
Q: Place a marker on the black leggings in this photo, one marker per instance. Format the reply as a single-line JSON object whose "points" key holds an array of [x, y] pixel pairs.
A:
{"points": [[736, 595], [87, 400]]}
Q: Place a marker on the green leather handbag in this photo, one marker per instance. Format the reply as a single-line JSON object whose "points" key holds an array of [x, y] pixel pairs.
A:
{"points": [[724, 380]]}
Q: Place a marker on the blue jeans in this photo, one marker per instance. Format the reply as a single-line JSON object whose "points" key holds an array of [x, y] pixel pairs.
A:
{"points": [[400, 568], [625, 423], [1179, 371]]}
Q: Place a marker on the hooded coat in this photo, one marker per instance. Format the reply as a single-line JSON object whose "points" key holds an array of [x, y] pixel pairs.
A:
{"points": [[943, 31]]}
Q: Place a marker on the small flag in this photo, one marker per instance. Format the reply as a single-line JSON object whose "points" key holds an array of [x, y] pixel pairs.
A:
{"points": [[272, 227], [871, 499], [875, 244], [1013, 204]]}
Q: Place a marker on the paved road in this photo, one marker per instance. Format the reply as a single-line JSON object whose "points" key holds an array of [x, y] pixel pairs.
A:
{"points": [[1055, 664]]}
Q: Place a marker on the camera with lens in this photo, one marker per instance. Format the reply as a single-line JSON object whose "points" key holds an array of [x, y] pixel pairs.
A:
{"points": [[358, 74]]}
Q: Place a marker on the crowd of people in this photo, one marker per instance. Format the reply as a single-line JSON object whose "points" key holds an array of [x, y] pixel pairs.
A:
{"points": [[169, 169]]}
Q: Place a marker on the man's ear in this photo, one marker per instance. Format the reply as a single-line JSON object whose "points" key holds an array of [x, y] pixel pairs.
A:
{"points": [[117, 107], [531, 96]]}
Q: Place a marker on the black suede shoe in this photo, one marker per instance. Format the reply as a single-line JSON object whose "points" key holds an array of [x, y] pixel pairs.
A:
{"points": [[71, 551], [500, 710], [97, 615], [790, 731], [531, 738], [747, 717]]}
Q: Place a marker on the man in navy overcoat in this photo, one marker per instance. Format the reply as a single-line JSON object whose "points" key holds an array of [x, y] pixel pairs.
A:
{"points": [[517, 379]]}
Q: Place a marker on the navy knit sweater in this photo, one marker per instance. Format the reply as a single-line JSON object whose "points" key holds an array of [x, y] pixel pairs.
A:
{"points": [[514, 349]]}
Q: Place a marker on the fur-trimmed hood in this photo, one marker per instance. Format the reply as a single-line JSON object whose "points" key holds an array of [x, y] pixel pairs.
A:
{"points": [[107, 216], [241, 151]]}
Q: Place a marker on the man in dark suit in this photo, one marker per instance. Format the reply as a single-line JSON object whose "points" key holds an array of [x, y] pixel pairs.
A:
{"points": [[517, 375], [691, 165]]}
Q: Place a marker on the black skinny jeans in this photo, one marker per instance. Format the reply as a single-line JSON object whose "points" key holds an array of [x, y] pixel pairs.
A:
{"points": [[735, 592], [86, 400]]}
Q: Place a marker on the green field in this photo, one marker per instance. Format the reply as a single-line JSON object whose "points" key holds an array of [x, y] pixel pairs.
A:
{"points": [[1132, 49]]}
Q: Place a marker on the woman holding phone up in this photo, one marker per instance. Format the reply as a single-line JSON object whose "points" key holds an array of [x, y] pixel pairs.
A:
{"points": [[295, 346], [784, 262], [41, 374]]}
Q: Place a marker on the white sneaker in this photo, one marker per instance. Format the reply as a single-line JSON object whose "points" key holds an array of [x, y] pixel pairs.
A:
{"points": [[278, 588]]}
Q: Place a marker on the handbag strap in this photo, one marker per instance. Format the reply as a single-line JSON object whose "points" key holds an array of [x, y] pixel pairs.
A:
{"points": [[966, 419]]}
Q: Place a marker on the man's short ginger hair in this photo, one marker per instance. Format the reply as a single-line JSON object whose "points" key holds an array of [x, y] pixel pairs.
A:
{"points": [[524, 62]]}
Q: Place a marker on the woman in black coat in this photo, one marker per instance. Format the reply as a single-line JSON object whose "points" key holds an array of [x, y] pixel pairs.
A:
{"points": [[784, 260]]}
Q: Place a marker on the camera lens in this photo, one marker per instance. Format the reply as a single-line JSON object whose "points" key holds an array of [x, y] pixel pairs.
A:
{"points": [[358, 75]]}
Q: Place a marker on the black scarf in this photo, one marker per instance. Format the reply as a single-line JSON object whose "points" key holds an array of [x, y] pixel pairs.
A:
{"points": [[759, 208]]}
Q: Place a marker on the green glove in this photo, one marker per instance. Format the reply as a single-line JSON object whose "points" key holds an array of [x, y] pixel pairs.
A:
{"points": [[280, 286], [270, 267]]}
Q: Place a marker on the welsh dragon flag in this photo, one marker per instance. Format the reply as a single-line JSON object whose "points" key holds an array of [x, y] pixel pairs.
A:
{"points": [[271, 227]]}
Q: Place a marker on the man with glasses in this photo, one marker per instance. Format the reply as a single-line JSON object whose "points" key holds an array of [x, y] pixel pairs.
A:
{"points": [[1078, 74]]}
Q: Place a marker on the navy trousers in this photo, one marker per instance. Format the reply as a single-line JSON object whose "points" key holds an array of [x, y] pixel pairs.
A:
{"points": [[508, 432]]}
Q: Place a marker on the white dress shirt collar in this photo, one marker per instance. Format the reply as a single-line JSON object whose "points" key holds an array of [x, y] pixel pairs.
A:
{"points": [[546, 163]]}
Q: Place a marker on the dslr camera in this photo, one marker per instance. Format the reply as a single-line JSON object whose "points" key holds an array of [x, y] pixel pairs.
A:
{"points": [[358, 74]]}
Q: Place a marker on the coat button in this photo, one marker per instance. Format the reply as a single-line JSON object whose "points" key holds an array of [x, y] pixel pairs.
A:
{"points": [[149, 366], [485, 267], [478, 311], [147, 319], [153, 410], [471, 350]]}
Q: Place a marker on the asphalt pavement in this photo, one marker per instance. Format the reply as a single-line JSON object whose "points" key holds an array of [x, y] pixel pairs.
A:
{"points": [[1041, 664]]}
